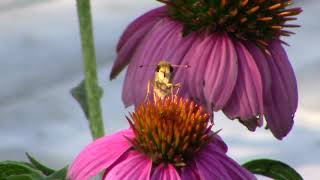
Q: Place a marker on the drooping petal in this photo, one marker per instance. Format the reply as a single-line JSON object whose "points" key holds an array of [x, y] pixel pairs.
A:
{"points": [[99, 155], [138, 167], [183, 75], [177, 57], [198, 61], [149, 17], [146, 55], [281, 102], [155, 53], [164, 50], [165, 172], [286, 71], [176, 54], [166, 42], [221, 72], [132, 37], [246, 102], [124, 55], [262, 64], [279, 88]]}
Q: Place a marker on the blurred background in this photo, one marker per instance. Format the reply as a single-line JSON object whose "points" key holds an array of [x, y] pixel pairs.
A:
{"points": [[40, 61]]}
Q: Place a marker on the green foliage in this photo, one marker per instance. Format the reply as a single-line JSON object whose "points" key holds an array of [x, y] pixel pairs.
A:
{"points": [[79, 94], [15, 170], [37, 165], [23, 177], [273, 169], [59, 174]]}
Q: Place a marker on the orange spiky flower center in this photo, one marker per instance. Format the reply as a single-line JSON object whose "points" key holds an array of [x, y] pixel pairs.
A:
{"points": [[170, 130], [256, 20]]}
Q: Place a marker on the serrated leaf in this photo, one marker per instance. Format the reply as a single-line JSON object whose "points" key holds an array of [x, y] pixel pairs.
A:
{"points": [[9, 168], [79, 94], [37, 165], [272, 169], [58, 175]]}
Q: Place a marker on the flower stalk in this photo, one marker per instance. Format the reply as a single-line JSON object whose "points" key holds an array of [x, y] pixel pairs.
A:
{"points": [[92, 92]]}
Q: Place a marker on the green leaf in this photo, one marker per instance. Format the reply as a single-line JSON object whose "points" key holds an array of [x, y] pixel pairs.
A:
{"points": [[58, 175], [36, 164], [24, 177], [272, 169], [79, 94], [14, 168], [20, 177]]}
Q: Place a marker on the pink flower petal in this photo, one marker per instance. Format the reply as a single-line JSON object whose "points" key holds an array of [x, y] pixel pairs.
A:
{"points": [[183, 76], [190, 172], [212, 163], [198, 61], [164, 50], [134, 90], [217, 144], [165, 172], [246, 102], [124, 157], [132, 37], [128, 49], [148, 18], [164, 42], [155, 52], [234, 169], [136, 167], [262, 64], [177, 57], [221, 71], [282, 99], [209, 166], [99, 155], [175, 54], [287, 73]]}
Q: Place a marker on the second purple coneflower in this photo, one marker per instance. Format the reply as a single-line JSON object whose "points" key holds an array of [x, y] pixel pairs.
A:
{"points": [[237, 62]]}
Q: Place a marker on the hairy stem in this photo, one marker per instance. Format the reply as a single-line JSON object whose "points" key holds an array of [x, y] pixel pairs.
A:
{"points": [[89, 58]]}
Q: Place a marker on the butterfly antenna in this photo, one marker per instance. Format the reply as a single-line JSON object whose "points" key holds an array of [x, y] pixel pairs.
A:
{"points": [[148, 66], [181, 66]]}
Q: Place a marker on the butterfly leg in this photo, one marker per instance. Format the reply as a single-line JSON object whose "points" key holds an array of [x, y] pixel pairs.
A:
{"points": [[177, 86], [148, 91]]}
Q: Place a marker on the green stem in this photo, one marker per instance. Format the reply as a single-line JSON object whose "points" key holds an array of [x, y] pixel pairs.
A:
{"points": [[91, 81]]}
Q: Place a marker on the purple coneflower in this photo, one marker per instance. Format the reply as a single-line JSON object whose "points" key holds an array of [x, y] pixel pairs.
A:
{"points": [[168, 140], [237, 62]]}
